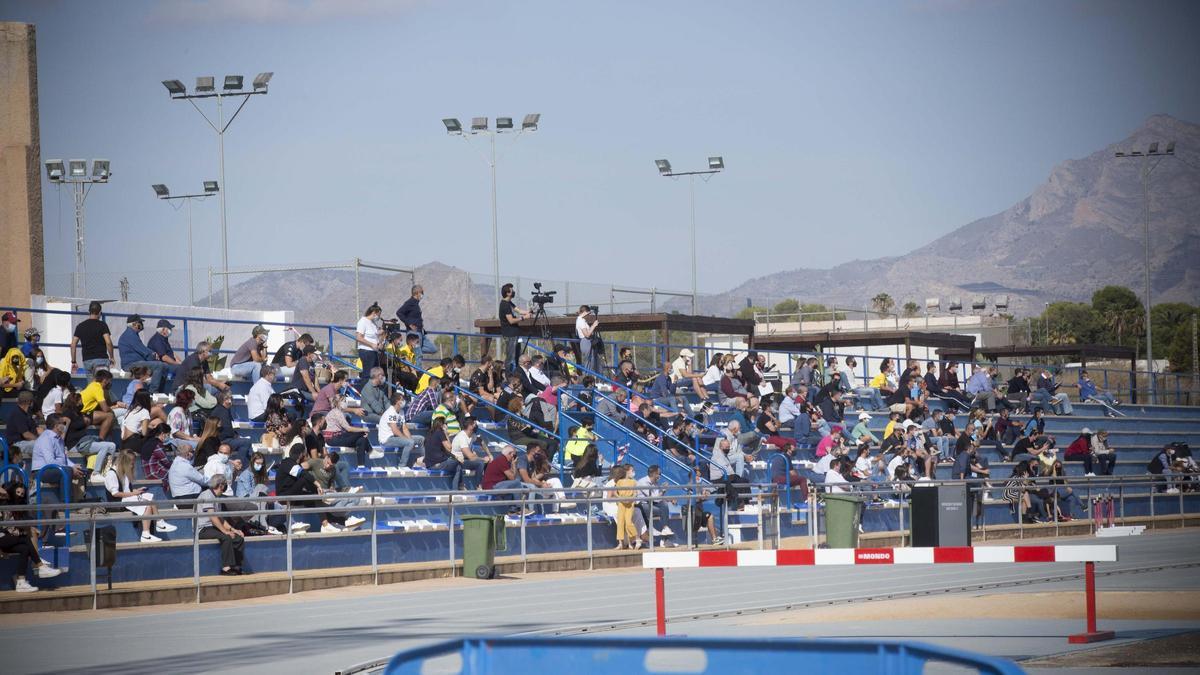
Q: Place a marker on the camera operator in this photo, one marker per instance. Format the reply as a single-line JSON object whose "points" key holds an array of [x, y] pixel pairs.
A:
{"points": [[510, 318], [369, 341], [586, 324]]}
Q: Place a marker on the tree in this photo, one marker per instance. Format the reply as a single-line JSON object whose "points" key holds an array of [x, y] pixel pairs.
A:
{"points": [[910, 308], [883, 303], [749, 312], [1120, 310], [1071, 323], [788, 308], [1172, 329]]}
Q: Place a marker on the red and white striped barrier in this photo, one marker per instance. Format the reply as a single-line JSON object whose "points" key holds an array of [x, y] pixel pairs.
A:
{"points": [[881, 556], [1088, 554]]}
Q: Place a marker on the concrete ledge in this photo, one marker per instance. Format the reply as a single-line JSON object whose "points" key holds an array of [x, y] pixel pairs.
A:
{"points": [[216, 588]]}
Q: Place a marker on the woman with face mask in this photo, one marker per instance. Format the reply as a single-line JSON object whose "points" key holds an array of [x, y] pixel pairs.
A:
{"points": [[18, 541]]}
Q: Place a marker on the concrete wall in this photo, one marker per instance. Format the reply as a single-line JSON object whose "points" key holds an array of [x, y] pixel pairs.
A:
{"points": [[22, 270]]}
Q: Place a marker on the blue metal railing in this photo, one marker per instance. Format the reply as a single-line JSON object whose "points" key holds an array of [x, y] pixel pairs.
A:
{"points": [[65, 485]]}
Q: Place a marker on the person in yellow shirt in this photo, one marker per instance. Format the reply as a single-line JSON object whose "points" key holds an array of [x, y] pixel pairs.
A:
{"points": [[95, 403], [403, 349], [438, 371], [580, 439], [627, 496]]}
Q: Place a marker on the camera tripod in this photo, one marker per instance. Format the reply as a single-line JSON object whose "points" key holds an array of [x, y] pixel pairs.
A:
{"points": [[541, 322]]}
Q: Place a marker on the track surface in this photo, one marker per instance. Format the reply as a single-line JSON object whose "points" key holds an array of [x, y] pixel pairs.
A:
{"points": [[321, 632]]}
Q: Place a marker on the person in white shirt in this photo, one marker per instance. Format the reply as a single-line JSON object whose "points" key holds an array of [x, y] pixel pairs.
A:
{"points": [[256, 400], [536, 372], [865, 397], [712, 376], [834, 480], [53, 402], [118, 483], [460, 447], [823, 465], [369, 340], [682, 374], [789, 410], [218, 463], [394, 433], [584, 330]]}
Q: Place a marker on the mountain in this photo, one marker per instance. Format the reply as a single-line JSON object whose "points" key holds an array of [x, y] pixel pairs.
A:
{"points": [[1080, 230]]}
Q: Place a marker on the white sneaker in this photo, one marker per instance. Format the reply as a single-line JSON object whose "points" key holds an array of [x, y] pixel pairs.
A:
{"points": [[1173, 491], [1089, 475], [355, 489], [298, 528], [147, 537], [271, 530], [353, 522], [23, 586], [164, 526], [666, 531], [718, 541], [375, 454], [45, 571], [330, 528], [361, 466]]}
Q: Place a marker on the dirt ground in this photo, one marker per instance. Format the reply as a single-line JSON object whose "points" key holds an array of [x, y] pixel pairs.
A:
{"points": [[1176, 651], [1161, 605]]}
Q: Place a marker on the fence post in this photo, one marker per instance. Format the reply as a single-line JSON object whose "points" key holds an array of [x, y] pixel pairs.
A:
{"points": [[660, 603], [591, 564], [1092, 634], [92, 562], [450, 527], [288, 551], [196, 556], [374, 543]]}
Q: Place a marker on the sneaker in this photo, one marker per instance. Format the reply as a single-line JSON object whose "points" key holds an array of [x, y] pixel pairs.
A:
{"points": [[164, 526], [355, 489], [299, 528], [361, 466], [147, 538], [23, 586], [45, 571], [96, 479], [329, 528], [666, 531], [375, 454], [353, 522], [1172, 491], [271, 530], [1089, 475]]}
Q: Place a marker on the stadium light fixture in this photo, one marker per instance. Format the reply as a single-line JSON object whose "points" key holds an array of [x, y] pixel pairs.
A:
{"points": [[932, 304], [211, 186], [1001, 302], [232, 85], [664, 167], [716, 164], [100, 170], [55, 170], [77, 168], [504, 125], [978, 303], [161, 190], [955, 304], [1147, 169]]}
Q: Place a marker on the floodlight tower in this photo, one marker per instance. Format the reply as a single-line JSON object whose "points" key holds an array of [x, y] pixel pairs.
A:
{"points": [[504, 125], [715, 165], [75, 173], [206, 88], [211, 187]]}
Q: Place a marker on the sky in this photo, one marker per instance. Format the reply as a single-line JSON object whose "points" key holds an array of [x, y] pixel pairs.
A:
{"points": [[849, 130]]}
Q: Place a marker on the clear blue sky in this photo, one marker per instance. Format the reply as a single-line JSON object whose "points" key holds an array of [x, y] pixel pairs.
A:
{"points": [[849, 129]]}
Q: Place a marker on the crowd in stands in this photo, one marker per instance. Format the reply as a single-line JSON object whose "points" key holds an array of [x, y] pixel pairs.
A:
{"points": [[496, 427]]}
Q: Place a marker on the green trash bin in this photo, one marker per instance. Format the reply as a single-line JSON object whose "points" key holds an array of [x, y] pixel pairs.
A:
{"points": [[482, 537], [842, 516]]}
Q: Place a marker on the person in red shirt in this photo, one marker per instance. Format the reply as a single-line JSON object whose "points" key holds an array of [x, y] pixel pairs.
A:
{"points": [[501, 475]]}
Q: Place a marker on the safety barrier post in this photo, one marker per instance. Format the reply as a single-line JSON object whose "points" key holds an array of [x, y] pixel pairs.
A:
{"points": [[1092, 634], [660, 603]]}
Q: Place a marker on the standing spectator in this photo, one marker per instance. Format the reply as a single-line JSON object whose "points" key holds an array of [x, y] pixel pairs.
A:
{"points": [[510, 319], [410, 315], [394, 433], [249, 358], [231, 540], [134, 353], [374, 396], [95, 341], [21, 427], [8, 332], [369, 340], [260, 393], [586, 324]]}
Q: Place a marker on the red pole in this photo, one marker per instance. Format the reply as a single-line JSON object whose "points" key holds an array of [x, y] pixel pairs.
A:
{"points": [[660, 602], [1089, 582]]}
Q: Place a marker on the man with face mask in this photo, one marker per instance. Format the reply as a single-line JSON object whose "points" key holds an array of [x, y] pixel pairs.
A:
{"points": [[160, 343], [218, 464], [8, 332], [134, 353]]}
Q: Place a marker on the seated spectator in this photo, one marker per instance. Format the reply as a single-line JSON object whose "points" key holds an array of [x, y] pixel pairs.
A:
{"points": [[420, 409], [304, 379], [394, 433], [156, 463], [12, 373], [248, 360], [33, 339], [337, 385], [615, 407], [203, 401], [1105, 455], [980, 389], [135, 428], [534, 470], [1089, 392], [438, 456], [183, 480], [485, 383], [442, 372], [830, 403], [835, 478], [866, 398], [1162, 465], [1065, 504], [374, 396], [289, 354], [1047, 394], [340, 433], [19, 541], [860, 434], [94, 340], [661, 388], [21, 428], [500, 475], [219, 463], [537, 371], [199, 358], [884, 381], [585, 471], [48, 449], [134, 353], [160, 344], [230, 538], [50, 395], [683, 376], [1026, 503], [207, 442], [118, 483], [474, 460], [939, 431], [223, 413], [263, 389]]}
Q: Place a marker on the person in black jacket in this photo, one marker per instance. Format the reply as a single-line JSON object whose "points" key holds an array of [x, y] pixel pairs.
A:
{"points": [[223, 412], [410, 315]]}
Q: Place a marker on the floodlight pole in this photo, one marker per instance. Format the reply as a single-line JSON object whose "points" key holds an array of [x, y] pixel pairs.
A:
{"points": [[691, 176], [191, 265], [82, 187], [1146, 169]]}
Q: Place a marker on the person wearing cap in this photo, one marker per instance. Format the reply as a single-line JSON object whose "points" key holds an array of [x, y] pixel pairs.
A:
{"points": [[8, 336], [860, 433], [249, 358], [135, 353], [682, 374], [94, 341], [160, 343], [32, 337]]}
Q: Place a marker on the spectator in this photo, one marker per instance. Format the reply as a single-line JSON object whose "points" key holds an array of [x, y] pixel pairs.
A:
{"points": [[533, 469], [218, 463], [118, 483], [304, 379], [199, 358], [1089, 392], [537, 373], [135, 428], [510, 319], [340, 433], [438, 456], [134, 353], [1061, 493], [276, 420], [8, 332], [394, 433], [18, 541], [50, 449], [370, 341], [21, 427], [1160, 465], [1018, 388], [374, 396], [203, 402], [862, 435], [485, 383], [1047, 394], [95, 341], [260, 393], [180, 420], [53, 392], [586, 325], [682, 374], [231, 540], [36, 368], [500, 474], [420, 410], [626, 495], [223, 413], [585, 470], [96, 403], [1026, 503], [867, 398], [1080, 450], [160, 344], [403, 351], [651, 502], [289, 354], [461, 447], [12, 373], [247, 361], [835, 478], [33, 338], [409, 314], [448, 411], [831, 405], [980, 388], [441, 372], [335, 387], [1105, 454]]}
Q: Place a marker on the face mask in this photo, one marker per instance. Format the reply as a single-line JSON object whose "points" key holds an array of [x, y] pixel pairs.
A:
{"points": [[41, 361], [12, 327], [224, 459], [258, 467]]}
